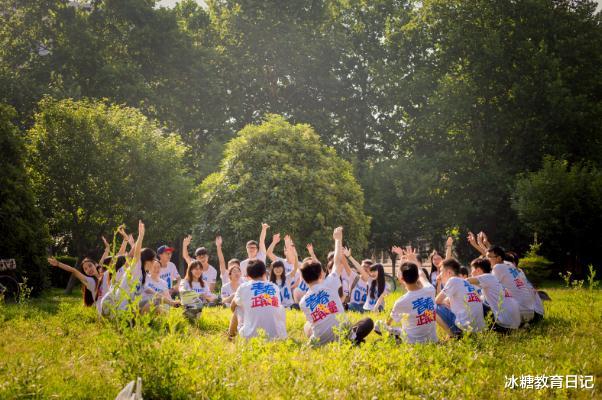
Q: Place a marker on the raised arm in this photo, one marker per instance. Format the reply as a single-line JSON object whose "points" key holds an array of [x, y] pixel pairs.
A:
{"points": [[473, 242], [56, 263], [106, 252], [270, 250], [310, 250], [220, 256], [291, 252], [185, 244], [449, 247], [347, 254], [124, 241], [138, 246], [337, 235], [262, 235]]}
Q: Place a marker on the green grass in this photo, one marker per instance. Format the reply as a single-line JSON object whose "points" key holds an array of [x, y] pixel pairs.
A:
{"points": [[53, 347]]}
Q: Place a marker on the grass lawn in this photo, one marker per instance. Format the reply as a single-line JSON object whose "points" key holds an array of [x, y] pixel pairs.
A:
{"points": [[53, 347]]}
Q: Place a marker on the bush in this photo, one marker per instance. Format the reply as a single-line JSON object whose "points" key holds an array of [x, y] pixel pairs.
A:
{"points": [[535, 266], [281, 174]]}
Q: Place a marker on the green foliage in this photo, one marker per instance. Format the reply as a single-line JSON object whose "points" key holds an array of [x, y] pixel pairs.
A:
{"points": [[563, 204], [24, 231], [63, 349], [96, 165], [281, 174], [535, 266]]}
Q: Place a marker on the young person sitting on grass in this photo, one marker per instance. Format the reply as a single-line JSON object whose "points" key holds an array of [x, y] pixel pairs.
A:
{"points": [[234, 281], [465, 310], [257, 302], [95, 284], [415, 309], [169, 272], [156, 291], [255, 251], [201, 254], [282, 278], [322, 305], [498, 301]]}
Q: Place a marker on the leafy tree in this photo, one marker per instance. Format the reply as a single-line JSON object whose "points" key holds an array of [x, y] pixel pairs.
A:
{"points": [[281, 174], [24, 231], [96, 165], [562, 203]]}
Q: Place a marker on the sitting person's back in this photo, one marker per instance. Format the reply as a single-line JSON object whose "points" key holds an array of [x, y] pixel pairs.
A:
{"points": [[258, 302]]}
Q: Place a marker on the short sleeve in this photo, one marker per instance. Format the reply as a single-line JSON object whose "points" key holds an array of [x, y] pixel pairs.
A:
{"points": [[450, 288], [91, 284], [398, 309], [175, 275]]}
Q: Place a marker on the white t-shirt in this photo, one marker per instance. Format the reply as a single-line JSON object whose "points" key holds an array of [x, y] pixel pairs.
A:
{"points": [[286, 293], [508, 315], [288, 267], [321, 306], [227, 291], [98, 290], [420, 326], [122, 288], [302, 286], [370, 302], [465, 304], [245, 262], [224, 277], [154, 288], [210, 276], [196, 287], [169, 274], [360, 291], [261, 309], [513, 280]]}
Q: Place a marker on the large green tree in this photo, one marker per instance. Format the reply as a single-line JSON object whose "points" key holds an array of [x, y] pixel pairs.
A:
{"points": [[24, 232], [283, 175], [96, 165]]}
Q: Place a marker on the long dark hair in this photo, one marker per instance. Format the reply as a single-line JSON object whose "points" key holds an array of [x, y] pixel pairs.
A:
{"points": [[89, 299], [190, 278], [379, 282], [273, 277], [146, 254]]}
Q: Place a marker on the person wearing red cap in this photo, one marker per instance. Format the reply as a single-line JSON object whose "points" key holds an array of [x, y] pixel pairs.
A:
{"points": [[169, 273]]}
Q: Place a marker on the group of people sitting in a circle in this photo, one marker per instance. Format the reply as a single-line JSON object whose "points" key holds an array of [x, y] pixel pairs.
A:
{"points": [[449, 296]]}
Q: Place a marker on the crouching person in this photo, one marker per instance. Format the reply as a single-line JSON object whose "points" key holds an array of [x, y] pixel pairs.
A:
{"points": [[322, 304], [256, 306]]}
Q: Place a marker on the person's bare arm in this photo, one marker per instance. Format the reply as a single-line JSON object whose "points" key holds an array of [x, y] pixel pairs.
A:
{"points": [[185, 244], [310, 250], [473, 242], [55, 263], [270, 250], [449, 247], [106, 252], [220, 256], [262, 235], [338, 249]]}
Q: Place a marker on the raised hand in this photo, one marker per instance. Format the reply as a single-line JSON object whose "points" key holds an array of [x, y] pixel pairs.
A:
{"points": [[140, 228], [347, 251], [276, 238], [107, 244], [397, 250], [471, 238], [121, 231], [338, 233], [449, 242], [218, 241], [264, 226], [53, 261], [310, 248], [187, 240]]}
